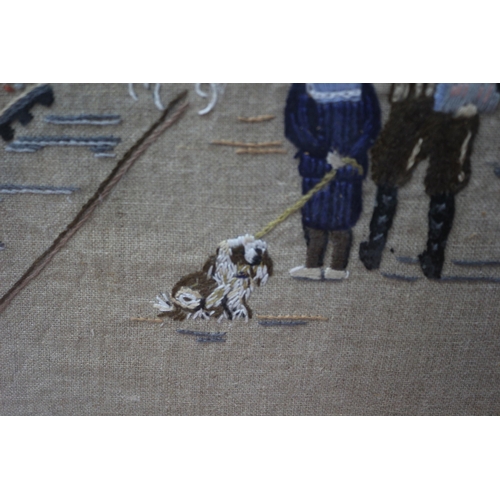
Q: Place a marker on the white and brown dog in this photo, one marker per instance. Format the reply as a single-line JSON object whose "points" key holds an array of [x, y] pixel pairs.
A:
{"points": [[223, 287]]}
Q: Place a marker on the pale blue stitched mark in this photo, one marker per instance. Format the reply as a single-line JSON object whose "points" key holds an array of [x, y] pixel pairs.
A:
{"points": [[407, 260], [156, 94], [105, 155], [210, 339], [217, 90], [205, 336], [83, 119], [474, 263], [16, 189], [33, 144], [400, 277], [282, 323], [471, 279]]}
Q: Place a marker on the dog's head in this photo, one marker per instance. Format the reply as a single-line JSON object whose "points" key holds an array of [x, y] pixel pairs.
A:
{"points": [[247, 255]]}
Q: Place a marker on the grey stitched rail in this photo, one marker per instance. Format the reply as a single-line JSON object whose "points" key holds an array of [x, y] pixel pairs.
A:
{"points": [[474, 263], [205, 336], [83, 119], [407, 260], [13, 189], [33, 144], [399, 277], [282, 323], [470, 279]]}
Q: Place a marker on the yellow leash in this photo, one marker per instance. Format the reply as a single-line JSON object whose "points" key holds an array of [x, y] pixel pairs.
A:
{"points": [[329, 176]]}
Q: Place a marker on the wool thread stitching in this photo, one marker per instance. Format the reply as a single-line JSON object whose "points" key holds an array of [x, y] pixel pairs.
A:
{"points": [[223, 287], [329, 176], [282, 323], [19, 109], [398, 277], [476, 263], [256, 151], [407, 260], [470, 279], [292, 317], [33, 144], [256, 119], [217, 89], [156, 94], [166, 120], [13, 189], [83, 119], [237, 144]]}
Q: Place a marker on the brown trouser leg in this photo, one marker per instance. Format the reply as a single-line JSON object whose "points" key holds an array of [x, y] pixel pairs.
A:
{"points": [[317, 240], [341, 241]]}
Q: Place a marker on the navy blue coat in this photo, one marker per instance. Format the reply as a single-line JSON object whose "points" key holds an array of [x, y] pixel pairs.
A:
{"points": [[350, 128]]}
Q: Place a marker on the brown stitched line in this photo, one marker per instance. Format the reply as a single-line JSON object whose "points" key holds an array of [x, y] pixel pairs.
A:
{"points": [[147, 320], [247, 144], [122, 167], [256, 119], [311, 318], [258, 151]]}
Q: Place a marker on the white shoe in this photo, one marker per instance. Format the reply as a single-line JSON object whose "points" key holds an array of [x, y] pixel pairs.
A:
{"points": [[334, 274], [307, 273]]}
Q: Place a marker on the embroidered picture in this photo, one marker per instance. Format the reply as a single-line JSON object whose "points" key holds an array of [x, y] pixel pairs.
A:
{"points": [[333, 126], [223, 286], [438, 122]]}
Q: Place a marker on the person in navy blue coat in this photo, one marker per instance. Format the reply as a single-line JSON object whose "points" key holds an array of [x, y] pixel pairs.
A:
{"points": [[328, 123]]}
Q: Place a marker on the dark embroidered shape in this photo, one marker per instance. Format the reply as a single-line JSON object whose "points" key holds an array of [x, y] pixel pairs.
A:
{"points": [[84, 119], [222, 288], [327, 123], [19, 110], [438, 122]]}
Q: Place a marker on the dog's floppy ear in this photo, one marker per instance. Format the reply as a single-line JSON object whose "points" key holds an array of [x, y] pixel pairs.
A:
{"points": [[268, 262], [210, 264]]}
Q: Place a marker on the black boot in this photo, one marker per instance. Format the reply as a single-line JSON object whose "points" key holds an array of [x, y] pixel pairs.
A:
{"points": [[370, 252], [441, 213]]}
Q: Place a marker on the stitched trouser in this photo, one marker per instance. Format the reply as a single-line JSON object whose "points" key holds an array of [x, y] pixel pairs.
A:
{"points": [[414, 132], [317, 241]]}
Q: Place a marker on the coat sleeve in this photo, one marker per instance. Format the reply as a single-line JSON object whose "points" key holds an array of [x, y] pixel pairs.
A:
{"points": [[301, 118], [371, 127]]}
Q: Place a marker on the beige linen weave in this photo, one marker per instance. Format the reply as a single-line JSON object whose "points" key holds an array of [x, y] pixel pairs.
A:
{"points": [[68, 347]]}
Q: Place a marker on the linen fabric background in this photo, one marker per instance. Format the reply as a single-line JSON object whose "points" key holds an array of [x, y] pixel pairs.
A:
{"points": [[68, 347]]}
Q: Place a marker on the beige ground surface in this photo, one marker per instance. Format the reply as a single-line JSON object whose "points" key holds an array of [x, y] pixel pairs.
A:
{"points": [[67, 346]]}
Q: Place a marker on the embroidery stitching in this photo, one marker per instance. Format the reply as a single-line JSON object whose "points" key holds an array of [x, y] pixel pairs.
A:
{"points": [[224, 285], [32, 144], [19, 109], [166, 120], [438, 122], [83, 119]]}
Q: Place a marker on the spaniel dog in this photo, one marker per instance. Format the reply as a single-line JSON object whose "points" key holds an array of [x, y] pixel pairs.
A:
{"points": [[222, 288]]}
